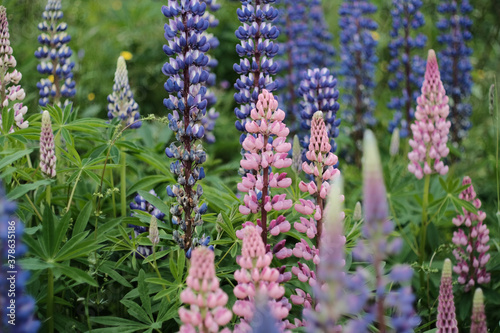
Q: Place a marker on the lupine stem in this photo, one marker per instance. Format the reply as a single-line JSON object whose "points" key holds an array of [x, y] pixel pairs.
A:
{"points": [[423, 230], [48, 194], [113, 199], [73, 190], [50, 300], [123, 183]]}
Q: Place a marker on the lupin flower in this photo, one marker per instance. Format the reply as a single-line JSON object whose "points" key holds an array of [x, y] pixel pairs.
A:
{"points": [[406, 67], [140, 203], [455, 27], [478, 319], [121, 101], [430, 130], [395, 141], [358, 60], [266, 148], [471, 241], [321, 42], [10, 91], [263, 321], [319, 93], [256, 278], [257, 50], [54, 55], [47, 153], [18, 317], [206, 300], [186, 85], [446, 319]]}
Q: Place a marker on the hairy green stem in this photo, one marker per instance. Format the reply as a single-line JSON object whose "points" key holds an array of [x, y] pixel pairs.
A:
{"points": [[423, 229], [73, 190], [50, 300], [123, 183]]}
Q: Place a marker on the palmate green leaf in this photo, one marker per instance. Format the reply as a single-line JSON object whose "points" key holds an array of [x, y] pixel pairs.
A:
{"points": [[106, 268], [13, 156], [34, 264], [144, 295], [168, 310], [7, 119], [459, 203], [167, 292], [136, 311], [147, 183], [158, 203], [75, 274], [77, 246]]}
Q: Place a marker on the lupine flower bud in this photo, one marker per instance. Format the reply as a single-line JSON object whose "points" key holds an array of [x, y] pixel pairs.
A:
{"points": [[455, 26], [206, 312], [358, 212], [54, 55], [395, 139], [25, 315], [430, 130], [47, 153], [471, 241], [446, 320], [9, 90], [296, 155], [121, 102], [478, 319], [154, 235], [406, 67]]}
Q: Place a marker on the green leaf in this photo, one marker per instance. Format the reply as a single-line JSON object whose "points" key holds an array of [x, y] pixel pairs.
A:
{"points": [[154, 201], [75, 274], [106, 268], [121, 322], [25, 188], [159, 281], [77, 247], [147, 183], [7, 119], [144, 294], [9, 159], [83, 218], [60, 231], [34, 264], [136, 311]]}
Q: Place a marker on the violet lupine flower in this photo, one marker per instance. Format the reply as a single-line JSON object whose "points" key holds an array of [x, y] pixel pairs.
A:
{"points": [[11, 233], [121, 101], [256, 278], [257, 50], [206, 300], [471, 241], [406, 67], [374, 248], [266, 148], [319, 93], [321, 42], [478, 319], [358, 61], [430, 130], [54, 55], [446, 318], [10, 91], [263, 320], [455, 60], [47, 153], [140, 203], [186, 85]]}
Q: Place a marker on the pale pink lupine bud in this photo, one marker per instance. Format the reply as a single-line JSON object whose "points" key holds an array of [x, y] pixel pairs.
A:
{"points": [[395, 139], [478, 320], [446, 319], [47, 152], [154, 234], [430, 130], [358, 212]]}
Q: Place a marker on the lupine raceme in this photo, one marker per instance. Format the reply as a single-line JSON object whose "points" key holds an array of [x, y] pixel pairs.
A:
{"points": [[206, 300], [54, 55], [257, 49], [121, 101], [406, 66], [446, 318], [471, 241], [186, 85], [455, 26], [321, 40], [48, 157], [478, 318], [430, 130], [266, 148], [10, 91]]}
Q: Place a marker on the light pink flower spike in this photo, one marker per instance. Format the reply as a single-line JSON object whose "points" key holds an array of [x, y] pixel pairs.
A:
{"points": [[206, 312], [47, 153], [430, 130]]}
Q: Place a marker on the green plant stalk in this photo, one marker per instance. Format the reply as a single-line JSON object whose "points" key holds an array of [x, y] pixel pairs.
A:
{"points": [[50, 300], [497, 144], [48, 194], [123, 183], [423, 230], [113, 199], [73, 190]]}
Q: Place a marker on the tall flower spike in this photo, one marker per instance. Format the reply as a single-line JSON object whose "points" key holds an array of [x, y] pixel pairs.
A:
{"points": [[478, 319], [446, 319], [47, 153], [257, 50], [406, 67], [430, 130], [206, 300], [54, 55], [256, 278], [471, 241], [22, 313], [321, 42], [121, 101], [186, 85], [10, 91], [358, 60], [455, 27]]}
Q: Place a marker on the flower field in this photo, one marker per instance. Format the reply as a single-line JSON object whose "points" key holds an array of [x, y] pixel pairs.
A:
{"points": [[249, 166]]}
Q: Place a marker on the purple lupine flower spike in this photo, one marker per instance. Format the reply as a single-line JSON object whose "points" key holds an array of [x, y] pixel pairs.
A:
{"points": [[446, 319], [10, 91], [47, 153], [430, 130], [121, 101], [23, 312], [54, 55], [478, 319], [471, 241]]}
